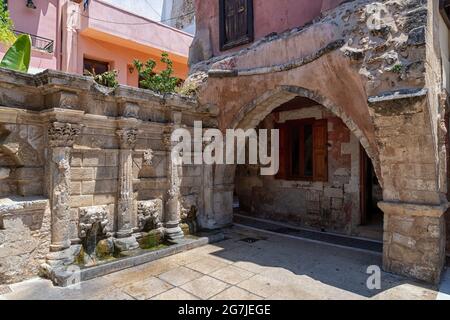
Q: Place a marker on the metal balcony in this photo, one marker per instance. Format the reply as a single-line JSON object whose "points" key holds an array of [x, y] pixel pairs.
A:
{"points": [[38, 42]]}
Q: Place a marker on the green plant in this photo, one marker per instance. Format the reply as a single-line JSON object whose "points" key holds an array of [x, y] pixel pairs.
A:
{"points": [[107, 79], [18, 55], [164, 82], [397, 68], [7, 35]]}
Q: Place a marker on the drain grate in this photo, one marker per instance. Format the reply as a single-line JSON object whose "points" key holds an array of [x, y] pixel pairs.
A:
{"points": [[250, 240], [5, 290]]}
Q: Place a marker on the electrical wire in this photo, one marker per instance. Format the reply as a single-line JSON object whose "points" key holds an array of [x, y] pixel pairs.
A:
{"points": [[153, 9], [137, 23]]}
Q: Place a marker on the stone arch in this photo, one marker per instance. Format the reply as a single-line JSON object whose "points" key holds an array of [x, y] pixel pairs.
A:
{"points": [[22, 168], [249, 116], [253, 113], [20, 150]]}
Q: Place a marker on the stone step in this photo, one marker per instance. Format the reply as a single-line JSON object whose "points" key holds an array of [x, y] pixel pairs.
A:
{"points": [[334, 239]]}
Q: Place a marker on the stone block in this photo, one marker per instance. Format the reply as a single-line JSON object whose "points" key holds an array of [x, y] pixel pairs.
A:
{"points": [[111, 158], [75, 188], [28, 188], [106, 173], [403, 240], [81, 201], [76, 160], [104, 199], [99, 187], [93, 159], [29, 173], [336, 203], [79, 174], [333, 192]]}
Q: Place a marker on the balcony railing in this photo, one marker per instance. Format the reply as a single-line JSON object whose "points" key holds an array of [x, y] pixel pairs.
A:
{"points": [[39, 43]]}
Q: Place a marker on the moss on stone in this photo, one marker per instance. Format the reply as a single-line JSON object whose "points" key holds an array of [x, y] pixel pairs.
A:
{"points": [[151, 240]]}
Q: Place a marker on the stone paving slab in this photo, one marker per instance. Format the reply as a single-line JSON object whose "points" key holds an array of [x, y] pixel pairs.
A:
{"points": [[205, 287], [273, 267], [180, 276]]}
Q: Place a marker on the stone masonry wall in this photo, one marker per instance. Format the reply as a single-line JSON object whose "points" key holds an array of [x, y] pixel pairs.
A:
{"points": [[73, 153]]}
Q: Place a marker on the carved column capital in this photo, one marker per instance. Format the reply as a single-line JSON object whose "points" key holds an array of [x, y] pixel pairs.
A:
{"points": [[61, 134], [167, 141], [127, 138]]}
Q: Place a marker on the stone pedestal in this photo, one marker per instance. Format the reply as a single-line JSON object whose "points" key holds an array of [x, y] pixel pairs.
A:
{"points": [[172, 206], [124, 233], [414, 240]]}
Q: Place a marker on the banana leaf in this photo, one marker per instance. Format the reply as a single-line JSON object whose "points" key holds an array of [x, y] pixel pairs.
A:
{"points": [[18, 55]]}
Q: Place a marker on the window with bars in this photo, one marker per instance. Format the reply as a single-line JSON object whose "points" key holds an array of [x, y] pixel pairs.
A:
{"points": [[303, 150], [236, 23]]}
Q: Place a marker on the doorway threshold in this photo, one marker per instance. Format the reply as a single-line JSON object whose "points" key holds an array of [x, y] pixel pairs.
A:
{"points": [[311, 235]]}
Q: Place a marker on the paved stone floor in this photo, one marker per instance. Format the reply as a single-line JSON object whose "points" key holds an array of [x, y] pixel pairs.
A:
{"points": [[273, 267]]}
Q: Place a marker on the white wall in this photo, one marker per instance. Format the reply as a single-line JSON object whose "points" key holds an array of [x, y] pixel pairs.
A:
{"points": [[168, 18], [150, 9]]}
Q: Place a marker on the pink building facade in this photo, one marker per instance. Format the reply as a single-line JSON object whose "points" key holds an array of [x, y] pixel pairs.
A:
{"points": [[272, 16], [68, 38]]}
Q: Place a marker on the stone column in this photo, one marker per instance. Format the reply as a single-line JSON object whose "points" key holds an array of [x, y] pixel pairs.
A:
{"points": [[172, 206], [126, 241], [61, 138], [414, 240]]}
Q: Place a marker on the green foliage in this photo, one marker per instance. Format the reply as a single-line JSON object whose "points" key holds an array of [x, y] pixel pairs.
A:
{"points": [[7, 35], [107, 79], [397, 68], [164, 82], [18, 55]]}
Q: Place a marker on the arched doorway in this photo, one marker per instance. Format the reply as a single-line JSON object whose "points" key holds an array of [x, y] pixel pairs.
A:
{"points": [[326, 179]]}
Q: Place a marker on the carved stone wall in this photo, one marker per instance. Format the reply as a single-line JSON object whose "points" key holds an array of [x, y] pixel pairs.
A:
{"points": [[97, 160]]}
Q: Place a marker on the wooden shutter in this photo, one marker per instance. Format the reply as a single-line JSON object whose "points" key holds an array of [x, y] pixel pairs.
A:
{"points": [[284, 150], [320, 138], [236, 23]]}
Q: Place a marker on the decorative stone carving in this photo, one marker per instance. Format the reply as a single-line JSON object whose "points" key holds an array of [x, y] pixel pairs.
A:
{"points": [[68, 100], [149, 214], [172, 204], [63, 134], [148, 157], [130, 110], [167, 141], [60, 198], [126, 241], [92, 215], [127, 138], [189, 210]]}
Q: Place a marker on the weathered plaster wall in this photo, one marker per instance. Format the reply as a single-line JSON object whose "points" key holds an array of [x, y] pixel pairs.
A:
{"points": [[269, 17]]}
